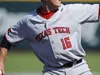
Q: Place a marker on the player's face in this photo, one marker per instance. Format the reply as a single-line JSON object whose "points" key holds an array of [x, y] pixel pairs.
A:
{"points": [[51, 3], [56, 3]]}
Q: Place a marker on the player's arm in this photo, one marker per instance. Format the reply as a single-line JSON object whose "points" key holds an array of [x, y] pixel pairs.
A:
{"points": [[4, 47], [3, 53], [85, 13], [14, 35]]}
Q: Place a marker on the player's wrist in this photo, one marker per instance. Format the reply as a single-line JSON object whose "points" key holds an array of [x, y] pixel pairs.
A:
{"points": [[1, 59], [1, 68]]}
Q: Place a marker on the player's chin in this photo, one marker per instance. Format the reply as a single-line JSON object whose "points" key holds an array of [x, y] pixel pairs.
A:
{"points": [[58, 5]]}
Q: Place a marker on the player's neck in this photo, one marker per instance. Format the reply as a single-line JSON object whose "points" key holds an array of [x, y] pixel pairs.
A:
{"points": [[49, 8], [45, 14]]}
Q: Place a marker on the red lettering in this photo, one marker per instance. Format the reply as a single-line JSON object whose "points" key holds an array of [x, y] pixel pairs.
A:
{"points": [[67, 30], [61, 30], [49, 32], [63, 44], [66, 43], [55, 29], [39, 36], [45, 33]]}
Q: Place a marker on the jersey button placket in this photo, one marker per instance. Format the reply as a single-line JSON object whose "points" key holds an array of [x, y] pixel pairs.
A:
{"points": [[51, 41]]}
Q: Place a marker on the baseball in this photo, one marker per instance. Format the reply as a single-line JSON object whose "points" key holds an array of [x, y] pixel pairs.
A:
{"points": [[0, 72]]}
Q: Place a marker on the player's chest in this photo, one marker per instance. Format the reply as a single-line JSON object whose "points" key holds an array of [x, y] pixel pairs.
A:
{"points": [[61, 26]]}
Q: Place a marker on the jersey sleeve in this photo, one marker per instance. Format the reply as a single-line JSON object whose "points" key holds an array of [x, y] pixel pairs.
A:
{"points": [[17, 33], [85, 12]]}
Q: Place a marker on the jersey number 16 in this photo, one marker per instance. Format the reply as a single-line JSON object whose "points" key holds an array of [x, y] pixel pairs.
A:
{"points": [[66, 43]]}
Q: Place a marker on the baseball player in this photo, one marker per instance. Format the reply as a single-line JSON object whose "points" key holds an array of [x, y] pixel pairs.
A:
{"points": [[54, 32]]}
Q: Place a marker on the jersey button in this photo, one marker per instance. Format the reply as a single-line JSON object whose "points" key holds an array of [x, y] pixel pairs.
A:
{"points": [[52, 42]]}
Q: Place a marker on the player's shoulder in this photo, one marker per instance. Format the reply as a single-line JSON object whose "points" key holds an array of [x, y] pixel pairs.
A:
{"points": [[30, 15], [70, 6], [79, 5]]}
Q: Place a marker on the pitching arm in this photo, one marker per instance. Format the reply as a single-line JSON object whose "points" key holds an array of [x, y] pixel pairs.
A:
{"points": [[4, 47]]}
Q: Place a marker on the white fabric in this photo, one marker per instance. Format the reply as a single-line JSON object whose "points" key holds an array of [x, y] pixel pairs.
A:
{"points": [[46, 36], [78, 69]]}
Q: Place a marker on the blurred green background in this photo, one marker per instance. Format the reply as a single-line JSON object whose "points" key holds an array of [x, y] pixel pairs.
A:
{"points": [[27, 62]]}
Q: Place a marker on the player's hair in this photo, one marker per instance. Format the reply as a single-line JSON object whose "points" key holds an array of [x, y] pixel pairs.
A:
{"points": [[41, 1]]}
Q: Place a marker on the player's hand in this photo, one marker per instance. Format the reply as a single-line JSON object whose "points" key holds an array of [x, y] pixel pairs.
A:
{"points": [[1, 68]]}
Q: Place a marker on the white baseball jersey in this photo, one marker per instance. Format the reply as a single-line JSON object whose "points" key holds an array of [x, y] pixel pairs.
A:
{"points": [[57, 40]]}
